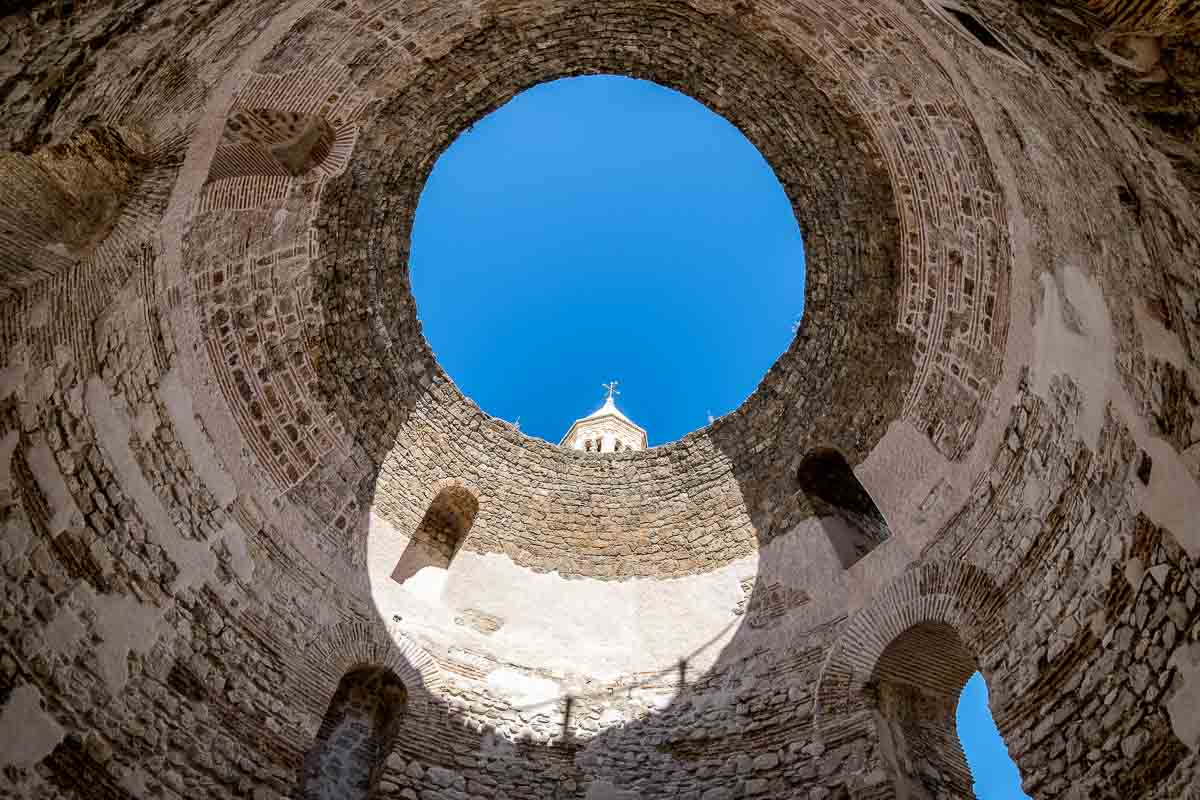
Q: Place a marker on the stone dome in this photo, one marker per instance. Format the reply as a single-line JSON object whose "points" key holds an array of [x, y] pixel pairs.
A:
{"points": [[257, 544]]}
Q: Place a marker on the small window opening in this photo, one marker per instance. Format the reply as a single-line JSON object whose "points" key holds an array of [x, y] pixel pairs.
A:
{"points": [[270, 142], [1129, 200], [1144, 468], [851, 520], [356, 734], [977, 29], [440, 534], [617, 446], [587, 446]]}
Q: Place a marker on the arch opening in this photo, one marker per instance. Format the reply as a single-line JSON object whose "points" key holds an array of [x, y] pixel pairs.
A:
{"points": [[441, 533], [926, 691], [356, 734], [914, 690], [854, 524]]}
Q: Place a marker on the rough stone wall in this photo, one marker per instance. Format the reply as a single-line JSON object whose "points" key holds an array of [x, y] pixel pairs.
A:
{"points": [[1115, 599], [743, 730], [202, 401]]}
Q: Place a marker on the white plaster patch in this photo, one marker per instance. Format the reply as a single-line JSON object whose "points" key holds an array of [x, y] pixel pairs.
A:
{"points": [[603, 630], [124, 625], [704, 602], [239, 558], [523, 690], [1157, 341], [194, 559], [916, 506], [1172, 500], [64, 631], [64, 513], [802, 559], [1087, 355], [178, 400], [553, 622], [146, 421], [385, 546], [427, 584], [27, 733]]}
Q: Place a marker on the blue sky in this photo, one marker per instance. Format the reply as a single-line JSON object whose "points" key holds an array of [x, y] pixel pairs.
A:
{"points": [[996, 776], [598, 229], [603, 228]]}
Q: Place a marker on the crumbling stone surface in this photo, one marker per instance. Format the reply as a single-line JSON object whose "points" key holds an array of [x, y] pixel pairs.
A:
{"points": [[221, 429]]}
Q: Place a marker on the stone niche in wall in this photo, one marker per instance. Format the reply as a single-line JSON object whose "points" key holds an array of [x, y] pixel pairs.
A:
{"points": [[442, 530], [271, 142], [854, 524], [59, 202]]}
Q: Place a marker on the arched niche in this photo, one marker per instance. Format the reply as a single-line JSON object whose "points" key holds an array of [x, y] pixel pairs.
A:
{"points": [[270, 142], [854, 524], [442, 531], [72, 196], [914, 691], [889, 689], [355, 737]]}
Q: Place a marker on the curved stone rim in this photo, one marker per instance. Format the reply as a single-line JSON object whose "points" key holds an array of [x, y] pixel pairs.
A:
{"points": [[893, 343], [848, 219]]}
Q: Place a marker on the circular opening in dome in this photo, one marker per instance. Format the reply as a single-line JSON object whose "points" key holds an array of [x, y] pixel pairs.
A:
{"points": [[598, 229]]}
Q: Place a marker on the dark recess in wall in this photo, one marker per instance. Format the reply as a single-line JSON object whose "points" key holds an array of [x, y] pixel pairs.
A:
{"points": [[977, 29], [854, 524]]}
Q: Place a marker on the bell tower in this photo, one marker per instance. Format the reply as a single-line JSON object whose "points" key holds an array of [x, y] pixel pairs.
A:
{"points": [[605, 430]]}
